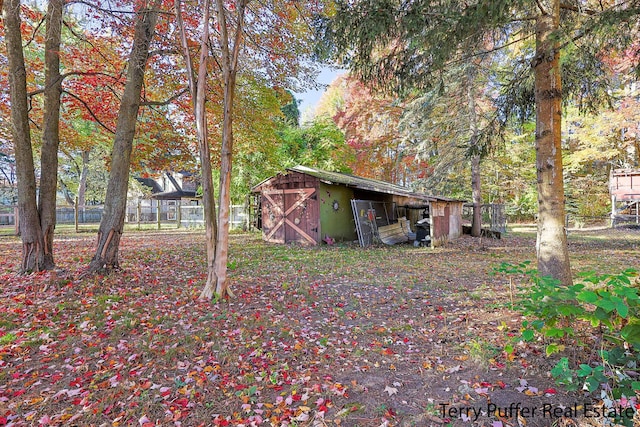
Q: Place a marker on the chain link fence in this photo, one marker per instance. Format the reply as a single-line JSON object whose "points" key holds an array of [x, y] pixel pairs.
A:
{"points": [[620, 227], [494, 216]]}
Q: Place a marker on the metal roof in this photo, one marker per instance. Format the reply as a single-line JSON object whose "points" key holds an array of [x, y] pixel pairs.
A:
{"points": [[175, 195], [360, 183], [151, 183], [158, 193]]}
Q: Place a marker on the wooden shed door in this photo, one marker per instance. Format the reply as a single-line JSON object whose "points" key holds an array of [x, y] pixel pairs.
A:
{"points": [[290, 216], [272, 214], [440, 213]]}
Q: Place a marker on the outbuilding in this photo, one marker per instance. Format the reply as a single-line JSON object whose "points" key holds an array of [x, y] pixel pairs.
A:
{"points": [[624, 186], [308, 206]]}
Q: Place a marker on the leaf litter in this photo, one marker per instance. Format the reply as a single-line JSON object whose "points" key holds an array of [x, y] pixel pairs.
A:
{"points": [[315, 337]]}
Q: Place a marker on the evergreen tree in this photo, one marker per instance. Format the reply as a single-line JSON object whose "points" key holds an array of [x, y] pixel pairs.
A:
{"points": [[404, 46]]}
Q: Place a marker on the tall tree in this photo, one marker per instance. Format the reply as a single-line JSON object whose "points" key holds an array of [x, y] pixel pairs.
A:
{"points": [[551, 244], [51, 132], [197, 88], [476, 178], [370, 124], [273, 38], [230, 46], [30, 231], [112, 223], [319, 143], [389, 42], [452, 126]]}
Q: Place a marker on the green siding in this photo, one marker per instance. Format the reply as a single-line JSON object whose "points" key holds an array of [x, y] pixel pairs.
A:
{"points": [[337, 224]]}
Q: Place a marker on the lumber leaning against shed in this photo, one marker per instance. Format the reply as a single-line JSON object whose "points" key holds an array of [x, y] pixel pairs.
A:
{"points": [[397, 232]]}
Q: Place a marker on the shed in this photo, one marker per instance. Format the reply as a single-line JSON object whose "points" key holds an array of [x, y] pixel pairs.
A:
{"points": [[308, 205], [624, 186]]}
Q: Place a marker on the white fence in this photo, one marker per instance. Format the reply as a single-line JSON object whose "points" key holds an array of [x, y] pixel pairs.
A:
{"points": [[188, 216], [167, 212]]}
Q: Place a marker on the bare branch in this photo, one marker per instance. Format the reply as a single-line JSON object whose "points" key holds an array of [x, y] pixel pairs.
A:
{"points": [[71, 158], [35, 31], [567, 6], [165, 102], [101, 9], [88, 73]]}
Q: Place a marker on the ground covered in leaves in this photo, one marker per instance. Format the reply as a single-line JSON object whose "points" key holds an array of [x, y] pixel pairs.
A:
{"points": [[323, 336]]}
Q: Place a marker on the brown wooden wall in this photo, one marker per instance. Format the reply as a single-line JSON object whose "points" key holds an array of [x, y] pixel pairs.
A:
{"points": [[439, 223], [290, 210]]}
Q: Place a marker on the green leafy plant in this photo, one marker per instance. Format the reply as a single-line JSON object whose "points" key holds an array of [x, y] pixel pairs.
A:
{"points": [[7, 338], [607, 306]]}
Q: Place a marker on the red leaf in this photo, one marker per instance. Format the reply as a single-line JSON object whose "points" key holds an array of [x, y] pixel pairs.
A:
{"points": [[183, 401]]}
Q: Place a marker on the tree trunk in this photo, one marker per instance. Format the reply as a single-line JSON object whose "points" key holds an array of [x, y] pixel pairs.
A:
{"points": [[50, 134], [222, 242], [84, 173], [229, 63], [198, 95], [112, 224], [476, 193], [28, 217], [551, 245], [66, 193], [208, 196]]}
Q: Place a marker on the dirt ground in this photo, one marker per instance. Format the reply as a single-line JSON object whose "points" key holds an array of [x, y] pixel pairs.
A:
{"points": [[324, 336]]}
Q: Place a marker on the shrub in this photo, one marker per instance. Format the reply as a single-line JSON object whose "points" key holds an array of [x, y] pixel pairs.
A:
{"points": [[608, 308]]}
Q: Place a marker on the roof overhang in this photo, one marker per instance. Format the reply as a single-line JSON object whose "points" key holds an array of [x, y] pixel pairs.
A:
{"points": [[360, 183]]}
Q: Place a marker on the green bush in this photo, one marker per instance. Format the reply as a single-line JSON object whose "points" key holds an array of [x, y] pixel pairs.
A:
{"points": [[608, 308]]}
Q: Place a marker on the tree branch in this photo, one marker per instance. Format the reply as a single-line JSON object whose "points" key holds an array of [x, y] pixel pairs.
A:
{"points": [[164, 52], [238, 36], [35, 31], [165, 102], [577, 9], [80, 100], [65, 75], [101, 9], [541, 7], [72, 159], [82, 38]]}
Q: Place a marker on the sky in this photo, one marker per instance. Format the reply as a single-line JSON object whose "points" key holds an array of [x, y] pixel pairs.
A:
{"points": [[310, 99]]}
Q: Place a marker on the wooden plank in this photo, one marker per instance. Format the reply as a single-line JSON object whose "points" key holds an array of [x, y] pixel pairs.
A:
{"points": [[392, 234], [300, 232], [272, 227], [305, 193]]}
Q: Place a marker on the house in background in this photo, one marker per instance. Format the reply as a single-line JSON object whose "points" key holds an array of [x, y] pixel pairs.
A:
{"points": [[171, 186], [8, 180], [170, 191], [308, 205], [8, 189]]}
